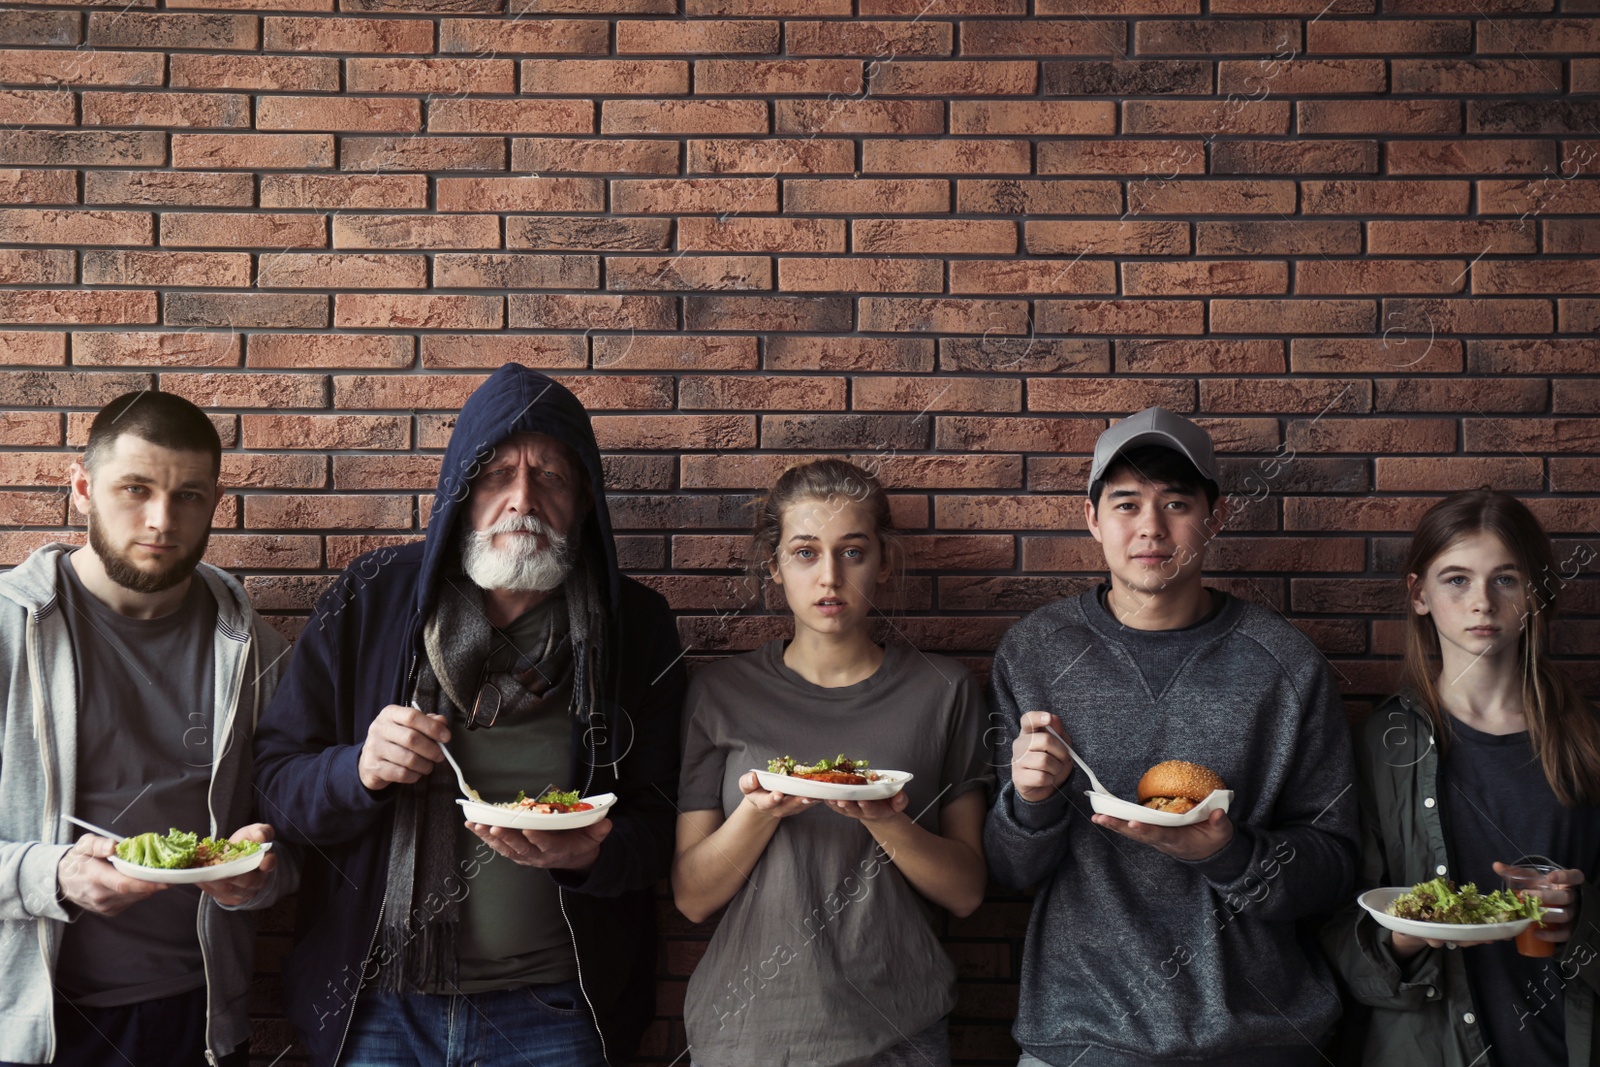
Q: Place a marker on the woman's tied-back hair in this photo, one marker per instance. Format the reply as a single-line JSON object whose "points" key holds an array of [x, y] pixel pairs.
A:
{"points": [[1563, 729], [824, 483]]}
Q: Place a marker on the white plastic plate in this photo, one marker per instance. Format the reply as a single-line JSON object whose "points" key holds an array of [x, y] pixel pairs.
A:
{"points": [[522, 819], [193, 875], [1118, 808], [888, 784], [1377, 901]]}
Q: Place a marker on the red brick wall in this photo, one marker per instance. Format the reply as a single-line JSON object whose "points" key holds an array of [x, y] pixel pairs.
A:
{"points": [[951, 237]]}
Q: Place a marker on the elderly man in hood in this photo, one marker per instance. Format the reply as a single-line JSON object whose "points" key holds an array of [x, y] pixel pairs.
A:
{"points": [[509, 635]]}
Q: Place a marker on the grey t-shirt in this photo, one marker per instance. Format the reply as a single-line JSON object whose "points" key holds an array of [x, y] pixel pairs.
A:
{"points": [[827, 956], [145, 709]]}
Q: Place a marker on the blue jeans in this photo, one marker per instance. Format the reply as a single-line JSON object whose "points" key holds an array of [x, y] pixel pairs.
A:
{"points": [[535, 1026]]}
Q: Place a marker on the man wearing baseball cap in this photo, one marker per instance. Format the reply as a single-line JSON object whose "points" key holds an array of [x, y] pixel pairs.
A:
{"points": [[1156, 944]]}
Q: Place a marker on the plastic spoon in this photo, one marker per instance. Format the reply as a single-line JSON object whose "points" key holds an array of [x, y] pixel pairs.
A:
{"points": [[461, 779], [101, 830], [1093, 781]]}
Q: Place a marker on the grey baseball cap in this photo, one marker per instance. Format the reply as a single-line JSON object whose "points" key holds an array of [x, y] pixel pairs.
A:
{"points": [[1155, 426]]}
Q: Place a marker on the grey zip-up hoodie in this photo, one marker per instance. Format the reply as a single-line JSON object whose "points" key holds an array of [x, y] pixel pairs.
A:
{"points": [[38, 764]]}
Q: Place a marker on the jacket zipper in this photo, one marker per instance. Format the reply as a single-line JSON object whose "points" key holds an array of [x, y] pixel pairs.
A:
{"points": [[211, 811], [383, 905], [46, 740], [561, 901]]}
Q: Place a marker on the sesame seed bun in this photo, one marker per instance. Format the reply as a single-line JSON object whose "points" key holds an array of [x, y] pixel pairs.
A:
{"points": [[1180, 780]]}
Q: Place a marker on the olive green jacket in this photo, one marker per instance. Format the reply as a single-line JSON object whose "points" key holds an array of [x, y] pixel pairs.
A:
{"points": [[1419, 1012]]}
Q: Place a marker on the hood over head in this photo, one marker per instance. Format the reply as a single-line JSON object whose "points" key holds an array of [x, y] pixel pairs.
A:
{"points": [[515, 400]]}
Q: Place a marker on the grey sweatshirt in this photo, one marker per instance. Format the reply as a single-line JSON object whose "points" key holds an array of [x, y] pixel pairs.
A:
{"points": [[38, 766], [1133, 956]]}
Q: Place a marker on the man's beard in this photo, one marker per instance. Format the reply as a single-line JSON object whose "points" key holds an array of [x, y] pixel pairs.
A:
{"points": [[523, 567], [120, 568]]}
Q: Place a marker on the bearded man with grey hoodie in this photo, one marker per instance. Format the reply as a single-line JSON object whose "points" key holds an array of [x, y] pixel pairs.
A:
{"points": [[1169, 944], [133, 677]]}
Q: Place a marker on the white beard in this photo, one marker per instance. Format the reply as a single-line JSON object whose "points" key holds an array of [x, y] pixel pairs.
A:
{"points": [[524, 567]]}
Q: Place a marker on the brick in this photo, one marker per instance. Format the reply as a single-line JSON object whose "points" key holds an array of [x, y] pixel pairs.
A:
{"points": [[1211, 197], [585, 312], [322, 432], [216, 390], [588, 234], [943, 8], [82, 67], [1565, 236], [166, 268], [38, 266], [245, 310], [169, 188], [1409, 197], [697, 37], [700, 196], [703, 117], [767, 7], [499, 36], [1125, 237], [676, 352], [40, 28], [761, 394], [772, 156], [1016, 434], [166, 109], [519, 194], [286, 552], [1387, 37], [303, 74], [1291, 238], [1453, 396], [37, 107], [501, 115], [440, 351], [1121, 77], [1571, 398], [1378, 116], [604, 77], [934, 236], [1579, 316], [19, 186], [1043, 37], [764, 313], [1380, 355], [761, 234], [946, 156], [387, 191], [36, 428], [923, 394], [1031, 355], [39, 306], [349, 113], [36, 468], [480, 270], [888, 314], [1154, 159], [1372, 435], [328, 36], [1205, 277], [1470, 157], [1242, 434], [1444, 237], [243, 230], [416, 231], [858, 275], [688, 272], [1216, 37], [1526, 197], [435, 391], [1536, 435], [1293, 316], [1574, 474], [953, 77], [445, 76], [190, 348], [1301, 77], [1318, 514], [420, 473], [1343, 276], [93, 148], [1121, 316], [994, 512], [849, 354], [1206, 117], [853, 115], [888, 196], [251, 151], [32, 348], [1299, 157], [417, 311], [585, 155], [873, 39], [1431, 316], [1032, 276], [336, 270], [845, 431], [1285, 395], [615, 392], [422, 153], [132, 29], [647, 433], [55, 388], [1437, 76], [1214, 356], [1110, 394], [1534, 355], [1545, 276], [777, 77]]}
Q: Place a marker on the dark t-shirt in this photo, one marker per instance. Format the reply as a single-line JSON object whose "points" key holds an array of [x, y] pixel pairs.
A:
{"points": [[1498, 805], [827, 956], [145, 708]]}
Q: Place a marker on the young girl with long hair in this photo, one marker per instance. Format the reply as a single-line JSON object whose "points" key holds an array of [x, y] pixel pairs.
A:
{"points": [[1488, 758], [826, 954]]}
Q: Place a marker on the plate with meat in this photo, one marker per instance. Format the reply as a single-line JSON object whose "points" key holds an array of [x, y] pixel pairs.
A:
{"points": [[831, 779], [551, 810], [184, 858]]}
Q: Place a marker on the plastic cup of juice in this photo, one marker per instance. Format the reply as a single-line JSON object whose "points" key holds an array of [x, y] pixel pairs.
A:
{"points": [[1522, 879]]}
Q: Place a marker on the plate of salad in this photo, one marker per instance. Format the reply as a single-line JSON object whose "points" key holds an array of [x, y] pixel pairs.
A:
{"points": [[1443, 911], [184, 858], [839, 778], [554, 809]]}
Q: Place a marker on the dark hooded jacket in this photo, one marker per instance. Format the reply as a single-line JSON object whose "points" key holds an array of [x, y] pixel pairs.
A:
{"points": [[361, 650]]}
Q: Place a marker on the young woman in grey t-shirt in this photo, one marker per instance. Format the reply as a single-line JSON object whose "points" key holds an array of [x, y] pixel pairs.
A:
{"points": [[825, 955]]}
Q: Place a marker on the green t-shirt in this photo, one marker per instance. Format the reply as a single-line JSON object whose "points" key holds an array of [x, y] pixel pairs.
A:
{"points": [[512, 932]]}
